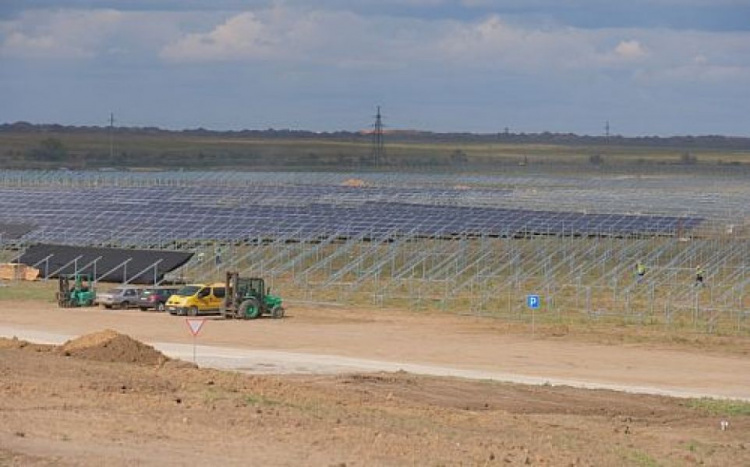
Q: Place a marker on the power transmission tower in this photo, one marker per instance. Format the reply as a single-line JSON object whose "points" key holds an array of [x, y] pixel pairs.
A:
{"points": [[377, 156]]}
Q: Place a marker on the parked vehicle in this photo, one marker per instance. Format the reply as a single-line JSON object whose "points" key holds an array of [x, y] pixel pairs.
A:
{"points": [[120, 297], [196, 299], [155, 298]]}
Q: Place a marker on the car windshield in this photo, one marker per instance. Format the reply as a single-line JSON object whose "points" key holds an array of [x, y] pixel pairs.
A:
{"points": [[188, 290]]}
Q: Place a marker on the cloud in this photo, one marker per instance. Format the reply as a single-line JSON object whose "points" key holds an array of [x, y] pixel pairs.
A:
{"points": [[59, 34], [241, 36], [305, 37], [88, 34], [630, 50], [336, 38], [493, 42]]}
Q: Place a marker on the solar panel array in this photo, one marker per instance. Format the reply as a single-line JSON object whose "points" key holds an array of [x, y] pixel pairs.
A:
{"points": [[14, 230], [158, 214]]}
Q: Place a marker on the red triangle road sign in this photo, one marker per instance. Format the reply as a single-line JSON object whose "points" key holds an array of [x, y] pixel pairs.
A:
{"points": [[195, 325]]}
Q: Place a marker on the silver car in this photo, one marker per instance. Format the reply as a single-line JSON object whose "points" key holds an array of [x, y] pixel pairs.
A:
{"points": [[119, 297]]}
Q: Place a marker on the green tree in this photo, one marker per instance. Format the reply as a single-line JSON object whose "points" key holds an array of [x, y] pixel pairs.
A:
{"points": [[49, 150]]}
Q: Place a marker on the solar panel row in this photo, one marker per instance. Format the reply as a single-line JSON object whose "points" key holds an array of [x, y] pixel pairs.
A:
{"points": [[96, 215]]}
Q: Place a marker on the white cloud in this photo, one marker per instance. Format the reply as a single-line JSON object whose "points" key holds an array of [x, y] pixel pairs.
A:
{"points": [[86, 34], [58, 34], [300, 37], [493, 42], [341, 39], [700, 59], [241, 36], [630, 50]]}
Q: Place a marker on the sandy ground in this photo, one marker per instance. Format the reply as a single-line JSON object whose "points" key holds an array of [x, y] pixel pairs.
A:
{"points": [[320, 340], [63, 410]]}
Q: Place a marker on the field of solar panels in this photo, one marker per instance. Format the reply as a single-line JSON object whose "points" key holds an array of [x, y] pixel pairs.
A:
{"points": [[468, 244]]}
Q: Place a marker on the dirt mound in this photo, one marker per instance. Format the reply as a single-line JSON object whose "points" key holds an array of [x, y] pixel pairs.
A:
{"points": [[111, 346], [16, 343], [354, 182]]}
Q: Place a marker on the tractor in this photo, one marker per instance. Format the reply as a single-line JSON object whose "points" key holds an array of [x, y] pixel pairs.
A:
{"points": [[75, 291], [248, 298]]}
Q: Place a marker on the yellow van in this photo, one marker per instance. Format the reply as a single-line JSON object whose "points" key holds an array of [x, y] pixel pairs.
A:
{"points": [[196, 299]]}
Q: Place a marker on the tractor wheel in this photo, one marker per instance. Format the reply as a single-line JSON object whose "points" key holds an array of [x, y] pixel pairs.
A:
{"points": [[192, 311], [250, 309], [277, 312]]}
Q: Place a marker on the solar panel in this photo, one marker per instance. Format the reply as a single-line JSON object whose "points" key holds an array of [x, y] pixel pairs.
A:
{"points": [[97, 215]]}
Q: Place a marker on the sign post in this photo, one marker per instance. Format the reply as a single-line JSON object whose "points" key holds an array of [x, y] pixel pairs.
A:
{"points": [[195, 325], [533, 302]]}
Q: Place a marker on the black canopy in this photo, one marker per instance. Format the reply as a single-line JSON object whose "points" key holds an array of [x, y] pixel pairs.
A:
{"points": [[106, 264]]}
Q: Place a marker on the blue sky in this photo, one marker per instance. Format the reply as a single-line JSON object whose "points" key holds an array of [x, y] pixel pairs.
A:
{"points": [[656, 67]]}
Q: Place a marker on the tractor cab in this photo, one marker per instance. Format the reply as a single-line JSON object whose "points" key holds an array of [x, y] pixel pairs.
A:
{"points": [[248, 298], [251, 287]]}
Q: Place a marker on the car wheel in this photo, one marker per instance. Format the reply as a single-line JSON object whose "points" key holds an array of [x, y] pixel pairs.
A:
{"points": [[193, 311], [125, 305], [143, 308]]}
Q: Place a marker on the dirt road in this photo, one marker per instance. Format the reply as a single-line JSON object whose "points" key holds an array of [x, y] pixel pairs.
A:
{"points": [[317, 340]]}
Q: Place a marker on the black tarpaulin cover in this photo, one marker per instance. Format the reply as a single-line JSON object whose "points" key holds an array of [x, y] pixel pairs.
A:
{"points": [[107, 264]]}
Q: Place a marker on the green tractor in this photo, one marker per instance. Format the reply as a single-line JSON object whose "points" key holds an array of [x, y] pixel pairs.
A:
{"points": [[75, 291], [248, 298]]}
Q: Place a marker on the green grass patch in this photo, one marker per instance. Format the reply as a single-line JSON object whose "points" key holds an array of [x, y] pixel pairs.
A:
{"points": [[640, 458], [259, 399], [721, 407], [19, 290]]}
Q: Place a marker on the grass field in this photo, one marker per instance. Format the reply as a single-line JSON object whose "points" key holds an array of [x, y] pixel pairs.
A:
{"points": [[143, 149]]}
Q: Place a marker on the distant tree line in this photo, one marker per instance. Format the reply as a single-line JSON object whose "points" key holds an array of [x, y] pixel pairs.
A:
{"points": [[705, 141]]}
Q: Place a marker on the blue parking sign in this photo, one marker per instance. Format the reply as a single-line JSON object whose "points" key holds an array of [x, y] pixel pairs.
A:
{"points": [[533, 301]]}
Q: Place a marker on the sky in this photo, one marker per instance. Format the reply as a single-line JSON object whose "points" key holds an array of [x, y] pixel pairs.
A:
{"points": [[648, 67]]}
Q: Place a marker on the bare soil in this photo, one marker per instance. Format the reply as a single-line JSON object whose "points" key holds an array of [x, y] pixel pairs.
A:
{"points": [[107, 398], [111, 346], [59, 410]]}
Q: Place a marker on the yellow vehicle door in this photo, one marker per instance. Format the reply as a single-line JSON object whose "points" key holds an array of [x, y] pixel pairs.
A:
{"points": [[217, 296], [204, 298]]}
